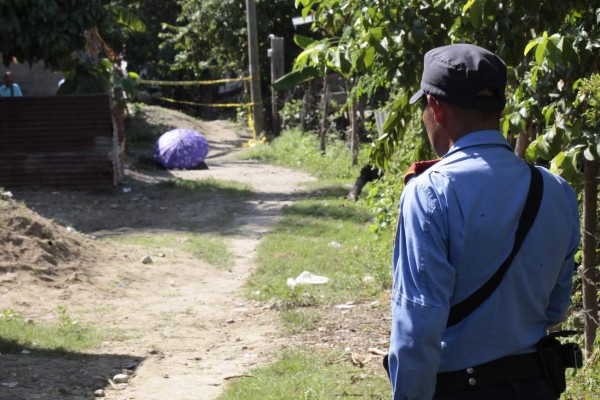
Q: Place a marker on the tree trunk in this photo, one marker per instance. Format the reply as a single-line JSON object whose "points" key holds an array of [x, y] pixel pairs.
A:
{"points": [[523, 141], [352, 115], [306, 101], [325, 108], [588, 264]]}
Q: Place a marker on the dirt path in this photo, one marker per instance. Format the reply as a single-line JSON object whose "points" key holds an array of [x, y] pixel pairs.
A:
{"points": [[181, 325], [209, 332]]}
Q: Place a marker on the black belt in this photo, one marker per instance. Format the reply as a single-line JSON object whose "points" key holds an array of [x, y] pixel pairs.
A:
{"points": [[510, 368]]}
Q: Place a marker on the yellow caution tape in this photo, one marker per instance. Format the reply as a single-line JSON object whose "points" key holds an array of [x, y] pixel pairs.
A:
{"points": [[254, 142], [218, 105], [190, 83], [251, 122], [247, 105], [192, 103]]}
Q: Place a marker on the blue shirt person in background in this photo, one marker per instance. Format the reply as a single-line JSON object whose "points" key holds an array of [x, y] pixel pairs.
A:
{"points": [[457, 225], [10, 88]]}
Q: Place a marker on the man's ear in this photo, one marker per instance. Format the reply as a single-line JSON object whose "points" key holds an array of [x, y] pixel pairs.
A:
{"points": [[439, 111]]}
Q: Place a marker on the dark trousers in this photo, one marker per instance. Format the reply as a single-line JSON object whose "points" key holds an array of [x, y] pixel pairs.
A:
{"points": [[523, 389]]}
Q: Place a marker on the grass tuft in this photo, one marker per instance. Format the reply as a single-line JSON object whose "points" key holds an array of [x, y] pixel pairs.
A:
{"points": [[64, 335], [308, 374], [298, 150]]}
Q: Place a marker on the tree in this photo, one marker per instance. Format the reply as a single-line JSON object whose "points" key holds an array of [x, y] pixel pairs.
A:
{"points": [[142, 48], [550, 46], [212, 34], [590, 89], [49, 30], [210, 38]]}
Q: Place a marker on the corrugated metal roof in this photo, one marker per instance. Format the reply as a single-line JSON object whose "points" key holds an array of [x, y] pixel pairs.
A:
{"points": [[63, 141]]}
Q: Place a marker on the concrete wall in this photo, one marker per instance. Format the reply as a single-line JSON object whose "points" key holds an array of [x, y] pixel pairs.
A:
{"points": [[34, 80]]}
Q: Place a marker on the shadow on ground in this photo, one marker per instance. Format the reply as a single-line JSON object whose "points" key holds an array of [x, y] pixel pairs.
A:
{"points": [[57, 375], [168, 203]]}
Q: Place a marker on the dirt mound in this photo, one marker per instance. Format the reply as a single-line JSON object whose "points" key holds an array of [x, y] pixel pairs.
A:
{"points": [[34, 249]]}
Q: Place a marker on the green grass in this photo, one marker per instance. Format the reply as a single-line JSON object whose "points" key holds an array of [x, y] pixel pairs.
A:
{"points": [[64, 335], [327, 236], [299, 150], [308, 374], [207, 188], [300, 320], [209, 248], [300, 241], [585, 383]]}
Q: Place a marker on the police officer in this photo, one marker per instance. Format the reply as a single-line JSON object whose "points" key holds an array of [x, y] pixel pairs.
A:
{"points": [[456, 227]]}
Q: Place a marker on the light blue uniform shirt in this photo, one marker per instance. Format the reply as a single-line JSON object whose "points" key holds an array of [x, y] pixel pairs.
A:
{"points": [[5, 91], [457, 225]]}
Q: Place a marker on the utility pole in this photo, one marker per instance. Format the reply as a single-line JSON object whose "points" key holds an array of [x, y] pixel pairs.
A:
{"points": [[257, 108], [276, 54]]}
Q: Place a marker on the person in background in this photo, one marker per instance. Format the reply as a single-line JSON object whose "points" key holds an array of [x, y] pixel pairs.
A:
{"points": [[10, 88], [457, 226], [368, 173]]}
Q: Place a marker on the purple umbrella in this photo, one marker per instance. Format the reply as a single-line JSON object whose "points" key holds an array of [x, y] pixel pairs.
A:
{"points": [[180, 149]]}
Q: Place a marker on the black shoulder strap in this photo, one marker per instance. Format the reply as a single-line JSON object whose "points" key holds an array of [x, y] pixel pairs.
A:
{"points": [[536, 187]]}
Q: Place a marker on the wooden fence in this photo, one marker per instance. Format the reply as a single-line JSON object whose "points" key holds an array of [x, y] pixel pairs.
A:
{"points": [[61, 141]]}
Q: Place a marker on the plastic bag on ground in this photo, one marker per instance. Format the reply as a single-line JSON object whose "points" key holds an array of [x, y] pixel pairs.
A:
{"points": [[307, 278]]}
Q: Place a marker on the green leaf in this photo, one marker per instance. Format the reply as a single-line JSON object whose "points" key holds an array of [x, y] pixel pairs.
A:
{"points": [[568, 49], [294, 78], [539, 52], [334, 57], [311, 54], [505, 127], [303, 41], [553, 54], [556, 163], [395, 114], [515, 119], [345, 64], [476, 14], [391, 121], [543, 147], [129, 85], [468, 5], [314, 55], [532, 152], [377, 32], [534, 76], [548, 113], [369, 56], [125, 17], [530, 45], [305, 12], [565, 164]]}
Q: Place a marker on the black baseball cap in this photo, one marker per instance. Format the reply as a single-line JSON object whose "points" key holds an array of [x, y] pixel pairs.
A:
{"points": [[465, 75]]}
